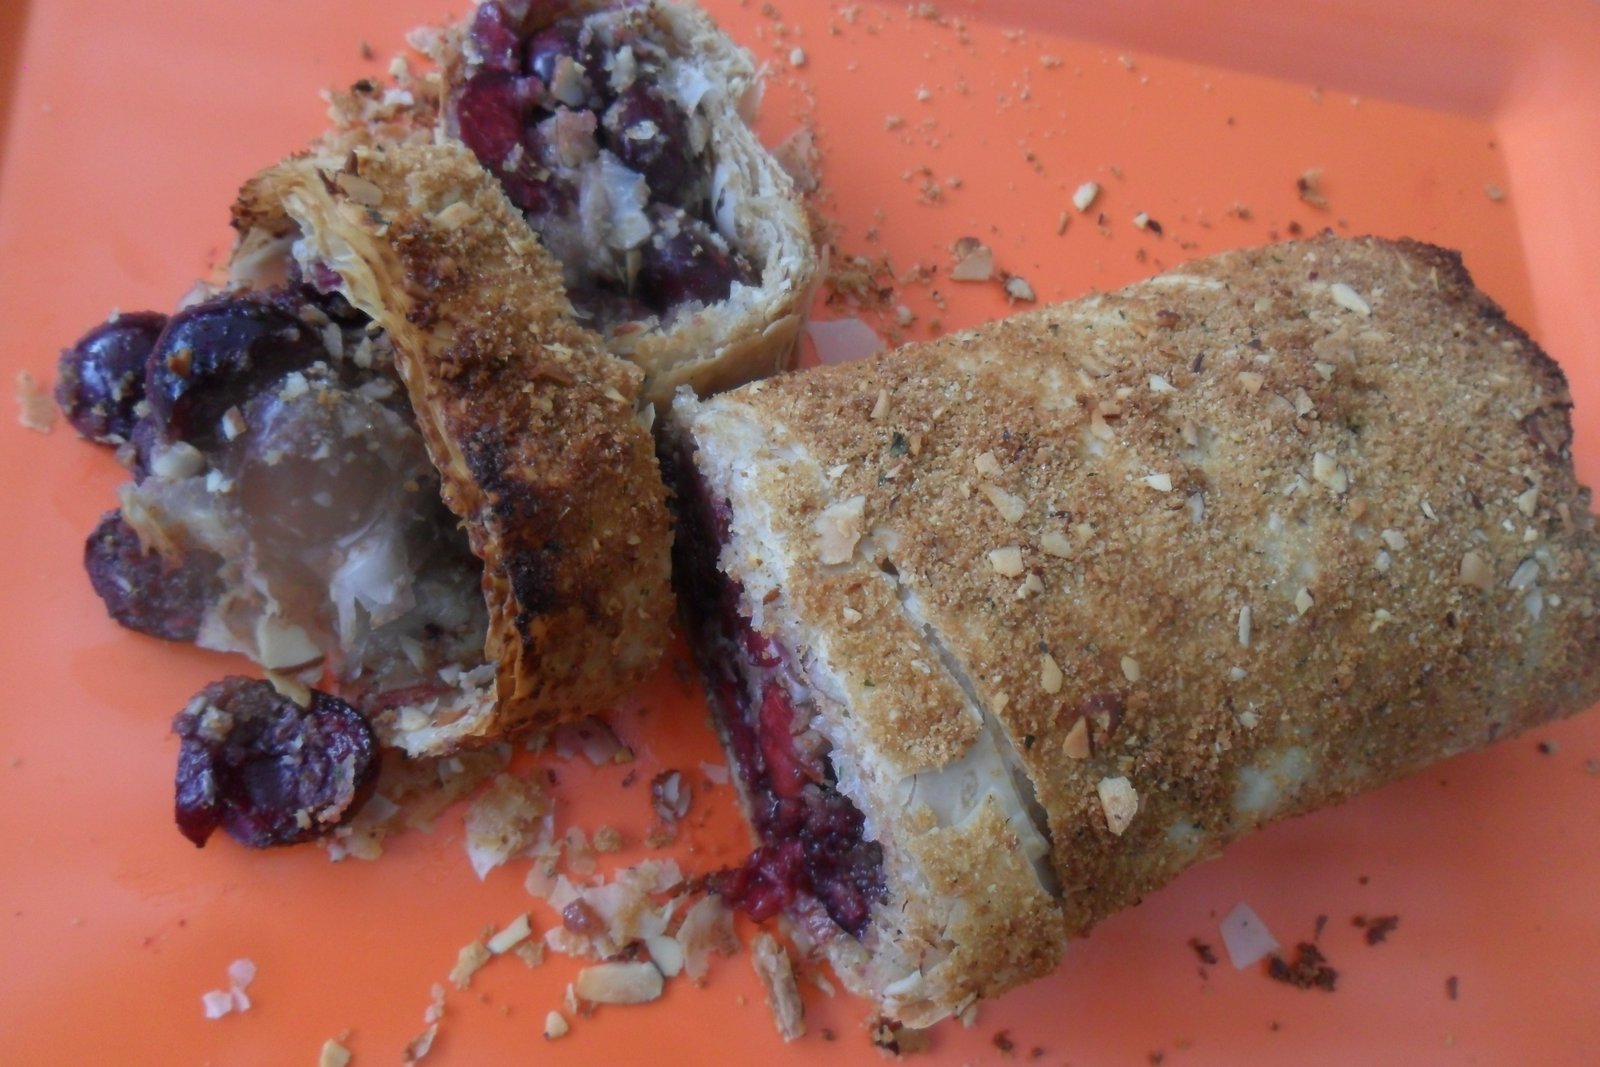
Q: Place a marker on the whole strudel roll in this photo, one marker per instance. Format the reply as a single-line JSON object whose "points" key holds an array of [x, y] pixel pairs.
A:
{"points": [[621, 132], [1006, 629]]}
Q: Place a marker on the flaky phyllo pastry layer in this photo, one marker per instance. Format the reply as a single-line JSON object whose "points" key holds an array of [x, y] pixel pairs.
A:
{"points": [[1007, 629]]}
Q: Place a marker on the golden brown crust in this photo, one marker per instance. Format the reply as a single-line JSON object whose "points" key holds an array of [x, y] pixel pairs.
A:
{"points": [[755, 331], [531, 424], [1342, 440]]}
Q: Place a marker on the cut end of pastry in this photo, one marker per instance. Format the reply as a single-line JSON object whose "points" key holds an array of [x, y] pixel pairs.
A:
{"points": [[621, 133], [530, 423]]}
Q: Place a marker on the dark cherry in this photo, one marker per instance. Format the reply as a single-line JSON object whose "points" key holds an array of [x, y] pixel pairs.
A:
{"points": [[142, 440], [216, 355], [650, 134], [682, 261], [532, 186], [813, 836], [489, 113], [100, 379], [266, 770], [765, 885], [491, 40], [600, 306], [141, 590]]}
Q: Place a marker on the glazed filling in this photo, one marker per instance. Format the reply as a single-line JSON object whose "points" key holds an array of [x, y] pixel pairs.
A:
{"points": [[812, 841], [284, 504], [593, 130]]}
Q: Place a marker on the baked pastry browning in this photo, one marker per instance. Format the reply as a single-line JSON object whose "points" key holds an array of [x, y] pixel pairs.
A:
{"points": [[621, 132], [1064, 604], [531, 425]]}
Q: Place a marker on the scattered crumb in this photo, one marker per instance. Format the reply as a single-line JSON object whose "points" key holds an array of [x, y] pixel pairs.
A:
{"points": [[1018, 290], [1494, 192], [555, 1026], [607, 839], [419, 1046], [1549, 748], [797, 57], [1378, 928], [1309, 186], [1086, 195], [1003, 1042], [670, 796], [220, 1002], [896, 1039], [502, 821], [333, 1054], [799, 157], [35, 409], [974, 261], [216, 1003], [1207, 954], [1452, 987], [469, 961], [1308, 970]]}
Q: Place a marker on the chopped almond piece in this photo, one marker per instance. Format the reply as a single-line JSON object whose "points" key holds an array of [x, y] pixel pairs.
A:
{"points": [[776, 972], [1120, 802], [619, 983]]}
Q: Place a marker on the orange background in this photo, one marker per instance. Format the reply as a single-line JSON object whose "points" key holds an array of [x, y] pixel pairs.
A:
{"points": [[128, 126]]}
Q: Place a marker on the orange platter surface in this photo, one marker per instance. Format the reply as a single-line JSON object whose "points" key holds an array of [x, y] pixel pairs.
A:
{"points": [[124, 130]]}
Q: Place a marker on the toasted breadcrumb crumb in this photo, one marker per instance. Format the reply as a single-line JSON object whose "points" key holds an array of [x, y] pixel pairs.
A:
{"points": [[35, 409]]}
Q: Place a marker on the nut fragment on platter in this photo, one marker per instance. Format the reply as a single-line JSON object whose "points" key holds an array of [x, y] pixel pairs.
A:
{"points": [[974, 261], [776, 972], [1019, 290], [515, 932], [555, 1026], [619, 983], [670, 796]]}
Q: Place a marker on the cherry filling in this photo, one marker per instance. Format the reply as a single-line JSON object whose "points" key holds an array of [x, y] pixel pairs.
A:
{"points": [[812, 835], [574, 115]]}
